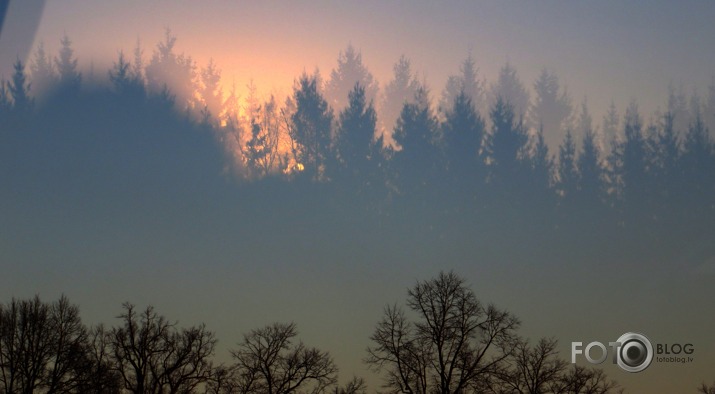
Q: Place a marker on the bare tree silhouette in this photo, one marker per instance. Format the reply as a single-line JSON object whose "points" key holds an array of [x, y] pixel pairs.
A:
{"points": [[152, 356], [538, 369], [103, 376], [41, 347], [268, 361], [532, 369], [354, 386], [456, 344]]}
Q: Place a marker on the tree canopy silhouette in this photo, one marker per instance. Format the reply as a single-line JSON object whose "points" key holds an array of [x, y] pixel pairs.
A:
{"points": [[415, 163], [166, 69], [401, 89], [152, 356], [268, 361], [360, 152], [311, 129], [467, 83], [127, 130], [509, 88], [455, 344], [551, 108], [69, 77], [42, 347], [350, 70], [19, 89]]}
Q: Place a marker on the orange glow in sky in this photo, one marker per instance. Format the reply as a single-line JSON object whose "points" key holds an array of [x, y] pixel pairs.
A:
{"points": [[603, 52]]}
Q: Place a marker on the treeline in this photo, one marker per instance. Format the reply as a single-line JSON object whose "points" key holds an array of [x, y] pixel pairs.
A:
{"points": [[45, 348], [448, 342], [391, 156]]}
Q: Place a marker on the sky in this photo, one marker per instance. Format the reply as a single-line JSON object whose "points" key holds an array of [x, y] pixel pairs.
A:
{"points": [[601, 50], [188, 265]]}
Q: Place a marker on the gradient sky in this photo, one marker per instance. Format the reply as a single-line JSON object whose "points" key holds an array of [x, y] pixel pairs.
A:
{"points": [[603, 50], [189, 268]]}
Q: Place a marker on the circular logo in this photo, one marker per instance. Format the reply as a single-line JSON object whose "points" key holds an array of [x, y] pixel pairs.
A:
{"points": [[635, 352]]}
